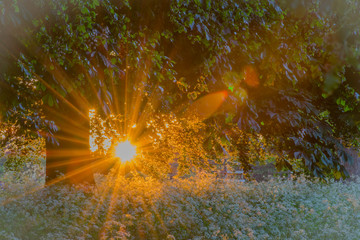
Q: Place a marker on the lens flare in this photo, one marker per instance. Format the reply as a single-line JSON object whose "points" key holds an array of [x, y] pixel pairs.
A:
{"points": [[251, 76], [206, 106], [125, 151]]}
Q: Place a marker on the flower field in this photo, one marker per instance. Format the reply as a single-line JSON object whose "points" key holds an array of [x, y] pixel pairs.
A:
{"points": [[201, 207]]}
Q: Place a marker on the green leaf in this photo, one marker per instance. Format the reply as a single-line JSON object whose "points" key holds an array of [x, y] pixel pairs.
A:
{"points": [[95, 3], [16, 7], [42, 86], [35, 23], [85, 10], [50, 101], [44, 99], [208, 4], [229, 118], [331, 83], [337, 175], [191, 22], [81, 28]]}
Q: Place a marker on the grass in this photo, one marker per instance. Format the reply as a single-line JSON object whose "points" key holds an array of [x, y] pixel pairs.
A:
{"points": [[201, 207]]}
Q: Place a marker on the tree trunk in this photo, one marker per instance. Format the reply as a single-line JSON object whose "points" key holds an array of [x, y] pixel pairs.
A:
{"points": [[69, 160]]}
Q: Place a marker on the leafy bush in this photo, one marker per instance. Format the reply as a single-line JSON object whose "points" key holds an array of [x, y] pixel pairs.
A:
{"points": [[18, 150], [200, 207]]}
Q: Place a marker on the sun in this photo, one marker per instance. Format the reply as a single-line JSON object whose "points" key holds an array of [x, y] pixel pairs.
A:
{"points": [[125, 151]]}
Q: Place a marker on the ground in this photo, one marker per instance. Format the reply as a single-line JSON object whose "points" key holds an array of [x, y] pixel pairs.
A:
{"points": [[200, 207]]}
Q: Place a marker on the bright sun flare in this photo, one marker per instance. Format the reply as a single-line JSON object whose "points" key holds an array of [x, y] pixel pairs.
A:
{"points": [[125, 151]]}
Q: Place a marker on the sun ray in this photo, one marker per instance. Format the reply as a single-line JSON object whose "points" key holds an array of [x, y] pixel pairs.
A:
{"points": [[94, 165], [77, 172], [70, 161], [113, 199], [99, 205]]}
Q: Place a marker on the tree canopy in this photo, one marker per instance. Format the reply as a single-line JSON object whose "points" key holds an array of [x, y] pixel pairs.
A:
{"points": [[290, 71]]}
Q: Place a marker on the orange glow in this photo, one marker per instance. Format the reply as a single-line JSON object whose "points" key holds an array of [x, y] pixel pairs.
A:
{"points": [[206, 106], [125, 151], [251, 76]]}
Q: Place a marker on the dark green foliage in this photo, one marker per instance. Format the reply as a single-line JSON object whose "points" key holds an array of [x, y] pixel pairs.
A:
{"points": [[287, 76]]}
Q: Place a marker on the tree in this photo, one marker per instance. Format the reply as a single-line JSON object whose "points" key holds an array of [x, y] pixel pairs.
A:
{"points": [[286, 80], [78, 55]]}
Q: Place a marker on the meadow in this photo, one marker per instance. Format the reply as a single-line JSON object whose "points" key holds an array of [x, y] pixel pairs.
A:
{"points": [[199, 207]]}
